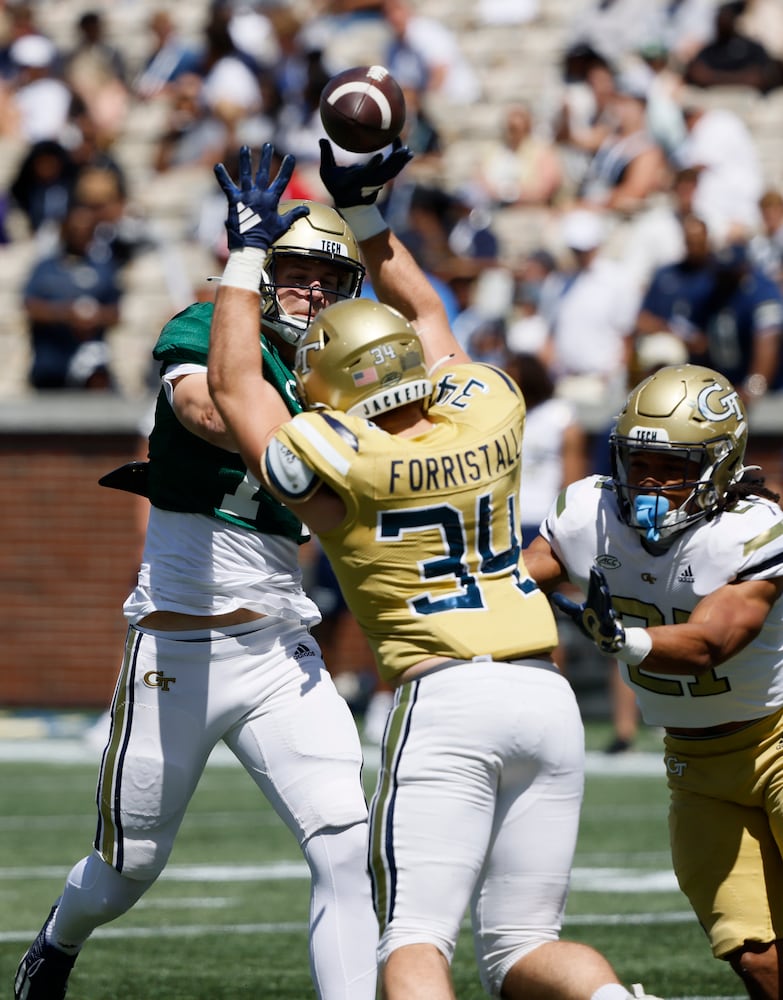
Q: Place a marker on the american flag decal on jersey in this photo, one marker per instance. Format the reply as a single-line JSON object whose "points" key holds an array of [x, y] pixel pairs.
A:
{"points": [[365, 377]]}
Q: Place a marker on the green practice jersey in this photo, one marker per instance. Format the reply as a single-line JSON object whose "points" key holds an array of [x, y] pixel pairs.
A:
{"points": [[189, 475]]}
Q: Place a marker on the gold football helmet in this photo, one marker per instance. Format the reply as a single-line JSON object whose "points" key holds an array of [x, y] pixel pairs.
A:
{"points": [[361, 357], [324, 235], [696, 418]]}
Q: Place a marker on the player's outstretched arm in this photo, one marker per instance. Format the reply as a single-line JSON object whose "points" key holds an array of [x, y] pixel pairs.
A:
{"points": [[250, 407], [396, 278], [721, 624]]}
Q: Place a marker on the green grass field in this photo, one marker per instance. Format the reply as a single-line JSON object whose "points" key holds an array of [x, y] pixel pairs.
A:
{"points": [[228, 918]]}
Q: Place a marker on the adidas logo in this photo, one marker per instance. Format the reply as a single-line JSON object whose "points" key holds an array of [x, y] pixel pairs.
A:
{"points": [[686, 576], [303, 650]]}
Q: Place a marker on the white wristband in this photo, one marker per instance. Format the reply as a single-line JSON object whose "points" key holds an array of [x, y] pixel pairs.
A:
{"points": [[365, 221], [244, 269], [636, 647]]}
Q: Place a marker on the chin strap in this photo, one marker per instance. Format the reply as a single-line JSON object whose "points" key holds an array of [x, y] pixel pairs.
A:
{"points": [[650, 512]]}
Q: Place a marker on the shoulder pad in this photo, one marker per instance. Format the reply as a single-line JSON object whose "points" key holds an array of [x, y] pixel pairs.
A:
{"points": [[186, 336]]}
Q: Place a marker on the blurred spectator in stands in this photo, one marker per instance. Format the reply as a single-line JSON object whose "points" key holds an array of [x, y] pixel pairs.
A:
{"points": [[88, 144], [743, 321], [480, 323], [614, 28], [191, 134], [727, 312], [720, 146], [554, 445], [231, 88], [251, 29], [654, 237], [168, 58], [521, 167], [357, 8], [298, 128], [629, 166], [119, 235], [419, 38], [536, 290], [733, 59], [506, 12], [676, 299], [470, 226], [762, 20], [684, 27], [38, 102], [71, 300], [197, 134], [95, 71], [420, 132], [663, 119], [593, 317], [16, 20], [583, 119], [422, 225], [652, 351], [766, 247], [42, 185], [298, 60]]}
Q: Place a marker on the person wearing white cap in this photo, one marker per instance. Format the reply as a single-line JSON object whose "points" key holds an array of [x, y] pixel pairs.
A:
{"points": [[40, 100]]}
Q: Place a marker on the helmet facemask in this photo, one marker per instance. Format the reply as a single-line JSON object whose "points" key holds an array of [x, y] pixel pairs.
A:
{"points": [[321, 236], [661, 511], [292, 328], [684, 426]]}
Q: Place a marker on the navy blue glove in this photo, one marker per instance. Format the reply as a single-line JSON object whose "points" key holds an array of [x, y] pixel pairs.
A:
{"points": [[253, 219], [359, 183], [596, 618]]}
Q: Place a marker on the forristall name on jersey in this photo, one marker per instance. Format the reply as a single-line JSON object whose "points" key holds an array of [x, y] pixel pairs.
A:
{"points": [[438, 472]]}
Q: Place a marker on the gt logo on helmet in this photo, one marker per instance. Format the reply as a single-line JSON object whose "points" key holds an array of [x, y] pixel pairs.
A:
{"points": [[730, 405]]}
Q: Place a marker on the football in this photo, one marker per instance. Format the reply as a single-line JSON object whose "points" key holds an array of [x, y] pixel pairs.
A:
{"points": [[362, 109]]}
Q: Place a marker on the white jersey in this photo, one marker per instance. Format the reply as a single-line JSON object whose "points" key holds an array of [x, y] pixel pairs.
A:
{"points": [[746, 543], [197, 565]]}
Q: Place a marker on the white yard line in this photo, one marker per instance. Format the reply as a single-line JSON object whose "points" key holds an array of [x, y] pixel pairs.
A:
{"points": [[77, 751]]}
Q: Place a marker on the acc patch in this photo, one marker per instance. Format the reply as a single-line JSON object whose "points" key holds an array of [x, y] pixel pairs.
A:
{"points": [[608, 562]]}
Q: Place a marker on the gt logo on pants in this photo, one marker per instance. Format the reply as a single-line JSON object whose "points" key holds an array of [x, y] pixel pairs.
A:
{"points": [[674, 766], [154, 679]]}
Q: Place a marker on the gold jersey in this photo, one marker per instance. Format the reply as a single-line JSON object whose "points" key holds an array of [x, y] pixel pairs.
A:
{"points": [[429, 555]]}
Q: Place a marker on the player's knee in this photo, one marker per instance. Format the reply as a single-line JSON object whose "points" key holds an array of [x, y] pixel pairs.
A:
{"points": [[396, 936], [103, 892], [337, 850], [498, 953]]}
